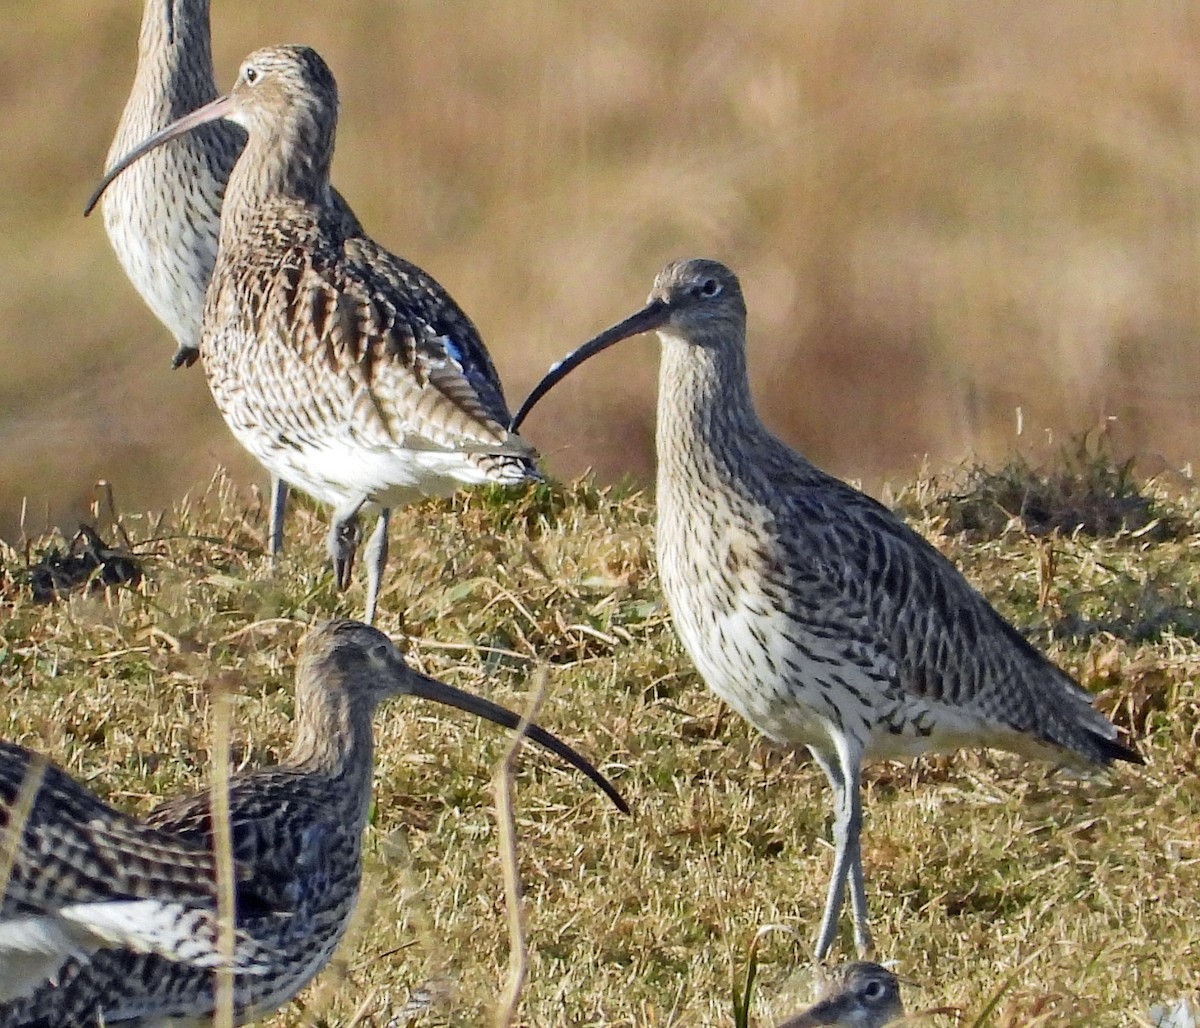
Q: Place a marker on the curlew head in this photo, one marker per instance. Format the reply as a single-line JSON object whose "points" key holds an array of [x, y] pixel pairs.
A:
{"points": [[286, 99], [696, 300], [856, 995], [346, 669]]}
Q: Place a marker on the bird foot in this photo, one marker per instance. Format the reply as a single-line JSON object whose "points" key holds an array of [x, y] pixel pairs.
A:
{"points": [[185, 356], [865, 946], [344, 539]]}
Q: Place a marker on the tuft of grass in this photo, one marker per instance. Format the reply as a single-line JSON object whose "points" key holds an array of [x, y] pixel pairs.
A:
{"points": [[742, 992], [1068, 901], [1084, 489]]}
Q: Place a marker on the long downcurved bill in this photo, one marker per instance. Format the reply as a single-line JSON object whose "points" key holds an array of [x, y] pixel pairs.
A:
{"points": [[218, 108], [431, 689], [653, 315]]}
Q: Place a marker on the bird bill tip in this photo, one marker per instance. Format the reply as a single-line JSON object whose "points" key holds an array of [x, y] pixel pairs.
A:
{"points": [[221, 107], [648, 318]]}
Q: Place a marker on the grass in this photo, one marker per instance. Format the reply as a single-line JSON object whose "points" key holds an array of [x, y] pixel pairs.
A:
{"points": [[1084, 490], [1071, 902]]}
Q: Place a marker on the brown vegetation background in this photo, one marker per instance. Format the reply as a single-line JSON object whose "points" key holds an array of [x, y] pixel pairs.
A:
{"points": [[942, 212]]}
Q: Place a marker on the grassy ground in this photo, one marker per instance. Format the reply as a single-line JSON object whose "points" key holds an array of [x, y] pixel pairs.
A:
{"points": [[1077, 900]]}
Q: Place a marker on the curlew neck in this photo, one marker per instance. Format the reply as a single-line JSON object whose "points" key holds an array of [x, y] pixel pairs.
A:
{"points": [[706, 415], [334, 735], [286, 159], [175, 57]]}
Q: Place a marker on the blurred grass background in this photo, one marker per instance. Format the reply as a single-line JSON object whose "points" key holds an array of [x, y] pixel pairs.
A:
{"points": [[941, 212]]}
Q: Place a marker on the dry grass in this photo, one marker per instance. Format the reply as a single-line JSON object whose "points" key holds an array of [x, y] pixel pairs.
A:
{"points": [[941, 211], [1082, 490], [1077, 901]]}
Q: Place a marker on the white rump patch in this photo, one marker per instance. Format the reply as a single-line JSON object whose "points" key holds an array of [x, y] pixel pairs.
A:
{"points": [[34, 948]]}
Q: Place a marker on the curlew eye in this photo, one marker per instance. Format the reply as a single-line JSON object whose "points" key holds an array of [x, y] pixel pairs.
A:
{"points": [[710, 287], [380, 652], [250, 75], [873, 990]]}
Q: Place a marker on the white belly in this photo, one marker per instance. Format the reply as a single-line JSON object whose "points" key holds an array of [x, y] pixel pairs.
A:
{"points": [[339, 469], [319, 430]]}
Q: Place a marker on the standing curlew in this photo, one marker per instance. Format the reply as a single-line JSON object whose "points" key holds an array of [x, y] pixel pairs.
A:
{"points": [[163, 217], [809, 608], [345, 370], [855, 995], [107, 918]]}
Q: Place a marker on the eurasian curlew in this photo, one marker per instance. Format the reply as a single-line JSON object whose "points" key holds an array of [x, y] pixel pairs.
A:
{"points": [[855, 995], [163, 218], [347, 371], [810, 608]]}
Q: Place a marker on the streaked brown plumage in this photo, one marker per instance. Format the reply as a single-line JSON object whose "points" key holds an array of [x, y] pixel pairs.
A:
{"points": [[346, 371], [812, 610], [86, 877], [107, 917]]}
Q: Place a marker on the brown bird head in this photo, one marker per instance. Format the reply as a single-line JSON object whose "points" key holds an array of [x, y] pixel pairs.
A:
{"points": [[857, 995], [286, 99], [346, 669], [697, 300]]}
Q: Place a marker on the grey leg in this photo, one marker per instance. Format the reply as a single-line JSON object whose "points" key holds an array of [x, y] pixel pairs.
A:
{"points": [[279, 498], [843, 775], [342, 542], [376, 558], [858, 889]]}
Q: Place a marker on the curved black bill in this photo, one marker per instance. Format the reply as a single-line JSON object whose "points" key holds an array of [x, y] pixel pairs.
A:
{"points": [[212, 111], [649, 317], [431, 689]]}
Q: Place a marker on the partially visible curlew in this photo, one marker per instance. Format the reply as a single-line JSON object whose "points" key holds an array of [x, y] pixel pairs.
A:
{"points": [[108, 919]]}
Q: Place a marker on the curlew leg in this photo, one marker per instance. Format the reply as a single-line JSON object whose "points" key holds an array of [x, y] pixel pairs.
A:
{"points": [[376, 558], [842, 770], [342, 542], [279, 498], [858, 889]]}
